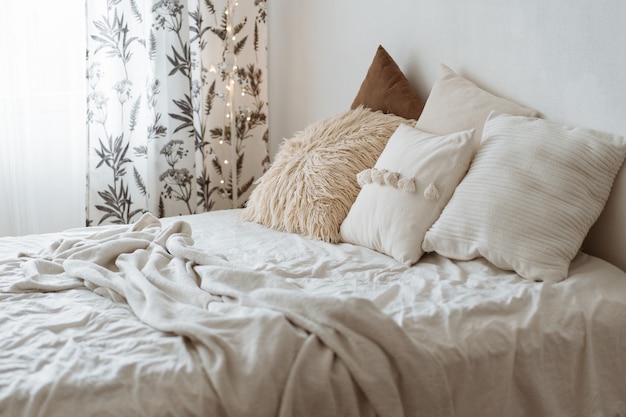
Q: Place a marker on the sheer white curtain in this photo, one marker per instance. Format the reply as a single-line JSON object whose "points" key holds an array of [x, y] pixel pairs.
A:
{"points": [[42, 116]]}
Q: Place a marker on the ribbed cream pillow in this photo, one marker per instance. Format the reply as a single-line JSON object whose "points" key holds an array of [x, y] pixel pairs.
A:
{"points": [[457, 104], [404, 193], [311, 185], [531, 194]]}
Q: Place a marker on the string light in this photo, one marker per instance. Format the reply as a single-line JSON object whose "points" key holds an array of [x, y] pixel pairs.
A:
{"points": [[230, 74]]}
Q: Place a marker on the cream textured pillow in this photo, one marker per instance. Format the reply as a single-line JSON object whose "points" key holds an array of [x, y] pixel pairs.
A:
{"points": [[531, 194], [457, 104], [406, 190], [312, 183]]}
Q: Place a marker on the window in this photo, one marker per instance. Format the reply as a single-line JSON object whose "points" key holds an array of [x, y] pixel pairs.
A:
{"points": [[42, 116]]}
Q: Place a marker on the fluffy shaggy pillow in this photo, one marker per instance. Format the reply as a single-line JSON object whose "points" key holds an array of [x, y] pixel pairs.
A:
{"points": [[403, 195], [312, 183], [385, 88], [530, 196], [457, 104]]}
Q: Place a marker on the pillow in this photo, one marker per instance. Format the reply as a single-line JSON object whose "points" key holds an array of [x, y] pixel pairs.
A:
{"points": [[456, 104], [531, 194], [404, 193], [385, 88], [312, 183]]}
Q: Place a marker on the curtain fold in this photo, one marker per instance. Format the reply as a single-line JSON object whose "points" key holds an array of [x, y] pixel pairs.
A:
{"points": [[176, 107]]}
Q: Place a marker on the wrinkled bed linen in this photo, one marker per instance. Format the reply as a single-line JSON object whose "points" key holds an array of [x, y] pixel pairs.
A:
{"points": [[508, 347], [344, 355]]}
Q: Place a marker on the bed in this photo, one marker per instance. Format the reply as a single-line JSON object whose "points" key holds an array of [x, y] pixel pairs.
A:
{"points": [[393, 261]]}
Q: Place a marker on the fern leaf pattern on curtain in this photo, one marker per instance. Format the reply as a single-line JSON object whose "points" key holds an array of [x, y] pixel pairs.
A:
{"points": [[176, 106]]}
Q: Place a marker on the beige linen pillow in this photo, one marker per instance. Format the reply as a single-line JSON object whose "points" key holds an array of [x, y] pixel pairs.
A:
{"points": [[531, 194], [406, 190], [312, 183], [457, 104]]}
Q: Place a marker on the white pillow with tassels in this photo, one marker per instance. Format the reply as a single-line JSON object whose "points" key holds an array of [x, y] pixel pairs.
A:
{"points": [[405, 192]]}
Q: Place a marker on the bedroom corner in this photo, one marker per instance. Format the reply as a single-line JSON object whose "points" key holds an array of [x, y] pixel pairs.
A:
{"points": [[440, 232]]}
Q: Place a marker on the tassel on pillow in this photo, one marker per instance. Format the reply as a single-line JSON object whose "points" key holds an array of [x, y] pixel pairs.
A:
{"points": [[378, 177], [364, 177], [395, 180], [431, 192], [391, 178], [408, 185]]}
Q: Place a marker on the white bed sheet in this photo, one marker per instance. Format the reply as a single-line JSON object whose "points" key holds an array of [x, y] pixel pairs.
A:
{"points": [[508, 346]]}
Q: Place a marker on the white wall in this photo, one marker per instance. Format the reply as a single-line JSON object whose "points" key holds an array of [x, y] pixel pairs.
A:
{"points": [[567, 59]]}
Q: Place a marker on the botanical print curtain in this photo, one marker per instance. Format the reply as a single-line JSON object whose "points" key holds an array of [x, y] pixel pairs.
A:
{"points": [[177, 106]]}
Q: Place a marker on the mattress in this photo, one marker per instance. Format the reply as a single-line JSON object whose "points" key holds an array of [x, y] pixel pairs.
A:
{"points": [[479, 340]]}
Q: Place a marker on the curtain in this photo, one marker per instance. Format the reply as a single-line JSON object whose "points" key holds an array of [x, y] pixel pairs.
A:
{"points": [[176, 107], [42, 116]]}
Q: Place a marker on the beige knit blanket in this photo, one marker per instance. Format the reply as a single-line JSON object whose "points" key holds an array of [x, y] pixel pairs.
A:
{"points": [[267, 347]]}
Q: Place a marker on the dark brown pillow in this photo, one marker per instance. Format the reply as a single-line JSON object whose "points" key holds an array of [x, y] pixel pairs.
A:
{"points": [[385, 88]]}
